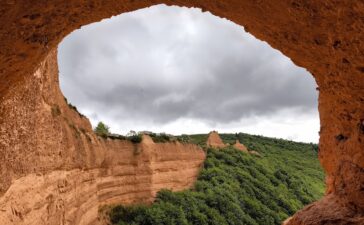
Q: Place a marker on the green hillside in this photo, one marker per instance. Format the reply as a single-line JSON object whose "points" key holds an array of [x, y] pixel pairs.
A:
{"points": [[238, 188]]}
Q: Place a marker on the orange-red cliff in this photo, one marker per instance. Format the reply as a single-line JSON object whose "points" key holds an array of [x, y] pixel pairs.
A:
{"points": [[214, 140], [325, 37], [240, 146], [62, 172]]}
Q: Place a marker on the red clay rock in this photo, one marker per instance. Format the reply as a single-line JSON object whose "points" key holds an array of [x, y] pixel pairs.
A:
{"points": [[129, 174], [329, 210], [67, 172], [214, 140], [240, 146], [325, 37]]}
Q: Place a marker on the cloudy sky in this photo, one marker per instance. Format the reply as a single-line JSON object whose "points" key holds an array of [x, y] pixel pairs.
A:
{"points": [[178, 70]]}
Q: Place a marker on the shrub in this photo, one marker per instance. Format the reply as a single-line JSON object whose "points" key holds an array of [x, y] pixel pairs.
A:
{"points": [[135, 138], [73, 107], [102, 130], [184, 138], [116, 137], [160, 138]]}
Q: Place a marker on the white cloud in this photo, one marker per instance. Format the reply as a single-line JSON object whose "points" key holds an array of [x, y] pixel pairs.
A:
{"points": [[179, 70]]}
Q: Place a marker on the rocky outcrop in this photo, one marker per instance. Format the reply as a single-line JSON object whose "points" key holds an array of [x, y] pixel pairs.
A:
{"points": [[130, 173], [240, 146], [62, 173], [214, 140], [328, 210], [325, 37]]}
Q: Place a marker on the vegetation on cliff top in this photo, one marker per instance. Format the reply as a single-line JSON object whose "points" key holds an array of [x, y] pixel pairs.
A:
{"points": [[102, 130], [238, 188], [73, 107]]}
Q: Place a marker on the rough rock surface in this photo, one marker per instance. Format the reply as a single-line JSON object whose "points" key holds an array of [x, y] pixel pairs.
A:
{"points": [[66, 172], [325, 37], [129, 174], [240, 146], [214, 140]]}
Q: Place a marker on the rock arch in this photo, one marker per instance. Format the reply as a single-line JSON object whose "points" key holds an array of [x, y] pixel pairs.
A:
{"points": [[325, 37]]}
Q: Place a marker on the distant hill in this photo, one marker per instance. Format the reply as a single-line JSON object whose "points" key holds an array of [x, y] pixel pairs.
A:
{"points": [[238, 188]]}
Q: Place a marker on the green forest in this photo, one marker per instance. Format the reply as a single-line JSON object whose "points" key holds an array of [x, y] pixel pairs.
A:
{"points": [[237, 188]]}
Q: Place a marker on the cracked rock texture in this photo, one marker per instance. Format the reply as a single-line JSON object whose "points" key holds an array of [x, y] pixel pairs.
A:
{"points": [[36, 141]]}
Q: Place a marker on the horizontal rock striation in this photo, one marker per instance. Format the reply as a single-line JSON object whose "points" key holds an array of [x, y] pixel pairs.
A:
{"points": [[325, 37], [62, 173], [130, 174]]}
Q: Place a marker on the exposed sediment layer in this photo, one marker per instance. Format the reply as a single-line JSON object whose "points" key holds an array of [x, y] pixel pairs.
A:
{"points": [[325, 37], [66, 172], [75, 196]]}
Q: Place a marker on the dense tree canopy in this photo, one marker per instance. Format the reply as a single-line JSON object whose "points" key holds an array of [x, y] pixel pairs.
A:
{"points": [[238, 188]]}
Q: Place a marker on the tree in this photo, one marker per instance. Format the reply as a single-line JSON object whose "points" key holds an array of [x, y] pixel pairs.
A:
{"points": [[134, 137], [102, 129], [131, 133]]}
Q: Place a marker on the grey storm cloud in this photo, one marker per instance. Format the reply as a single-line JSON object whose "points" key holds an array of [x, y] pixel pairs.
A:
{"points": [[165, 63]]}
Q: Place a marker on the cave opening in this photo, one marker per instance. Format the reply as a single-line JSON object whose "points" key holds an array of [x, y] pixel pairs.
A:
{"points": [[180, 70], [323, 37], [174, 70]]}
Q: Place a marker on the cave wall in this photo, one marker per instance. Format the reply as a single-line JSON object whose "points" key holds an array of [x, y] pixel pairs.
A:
{"points": [[56, 171], [325, 37]]}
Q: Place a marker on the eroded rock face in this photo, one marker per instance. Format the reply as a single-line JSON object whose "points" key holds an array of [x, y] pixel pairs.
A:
{"points": [[240, 146], [214, 140], [130, 174], [62, 173], [325, 37]]}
